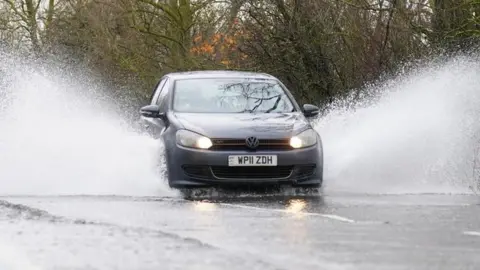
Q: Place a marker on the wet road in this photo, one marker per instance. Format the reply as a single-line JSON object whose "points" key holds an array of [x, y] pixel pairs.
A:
{"points": [[333, 231]]}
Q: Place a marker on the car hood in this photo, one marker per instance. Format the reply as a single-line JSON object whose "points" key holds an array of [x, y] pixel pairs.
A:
{"points": [[241, 125]]}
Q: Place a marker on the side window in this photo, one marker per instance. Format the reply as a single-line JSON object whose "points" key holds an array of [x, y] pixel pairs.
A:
{"points": [[163, 97], [157, 91]]}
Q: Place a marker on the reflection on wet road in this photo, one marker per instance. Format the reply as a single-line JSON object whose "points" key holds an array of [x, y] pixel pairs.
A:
{"points": [[334, 231]]}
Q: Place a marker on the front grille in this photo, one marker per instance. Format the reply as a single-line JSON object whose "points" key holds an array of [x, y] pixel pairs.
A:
{"points": [[278, 172], [239, 145], [299, 172]]}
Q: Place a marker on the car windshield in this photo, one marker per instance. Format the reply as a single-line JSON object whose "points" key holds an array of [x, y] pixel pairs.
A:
{"points": [[230, 96]]}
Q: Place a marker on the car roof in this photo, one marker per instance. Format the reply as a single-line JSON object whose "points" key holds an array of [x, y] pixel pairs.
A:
{"points": [[202, 74]]}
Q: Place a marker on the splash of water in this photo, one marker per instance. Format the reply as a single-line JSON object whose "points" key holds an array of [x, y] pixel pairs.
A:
{"points": [[59, 135], [419, 136]]}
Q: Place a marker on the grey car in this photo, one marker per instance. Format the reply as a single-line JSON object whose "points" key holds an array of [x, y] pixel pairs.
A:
{"points": [[227, 128]]}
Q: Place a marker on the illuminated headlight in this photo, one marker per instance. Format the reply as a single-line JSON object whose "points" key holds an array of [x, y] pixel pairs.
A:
{"points": [[305, 139], [193, 140]]}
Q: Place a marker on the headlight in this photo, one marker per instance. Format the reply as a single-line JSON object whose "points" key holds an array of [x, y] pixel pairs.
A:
{"points": [[305, 139], [191, 139]]}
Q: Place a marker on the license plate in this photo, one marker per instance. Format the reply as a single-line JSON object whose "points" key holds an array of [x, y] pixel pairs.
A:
{"points": [[252, 160]]}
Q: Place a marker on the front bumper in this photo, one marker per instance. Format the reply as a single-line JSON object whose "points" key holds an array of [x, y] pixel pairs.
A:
{"points": [[193, 167]]}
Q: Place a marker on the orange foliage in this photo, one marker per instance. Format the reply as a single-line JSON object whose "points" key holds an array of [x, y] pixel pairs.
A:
{"points": [[222, 48]]}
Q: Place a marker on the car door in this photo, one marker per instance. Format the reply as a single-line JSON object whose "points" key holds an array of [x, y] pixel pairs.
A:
{"points": [[156, 126], [162, 102]]}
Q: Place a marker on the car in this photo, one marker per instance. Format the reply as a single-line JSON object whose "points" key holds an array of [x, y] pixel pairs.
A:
{"points": [[229, 128]]}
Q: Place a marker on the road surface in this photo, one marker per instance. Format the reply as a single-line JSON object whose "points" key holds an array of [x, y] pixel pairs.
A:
{"points": [[329, 231]]}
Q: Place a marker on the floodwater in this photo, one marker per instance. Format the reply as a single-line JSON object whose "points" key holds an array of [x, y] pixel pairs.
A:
{"points": [[80, 189]]}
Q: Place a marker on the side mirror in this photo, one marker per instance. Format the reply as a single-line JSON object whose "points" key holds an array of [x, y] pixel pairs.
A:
{"points": [[310, 110], [151, 111]]}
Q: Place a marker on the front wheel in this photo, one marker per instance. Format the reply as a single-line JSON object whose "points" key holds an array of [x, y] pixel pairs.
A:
{"points": [[162, 165]]}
